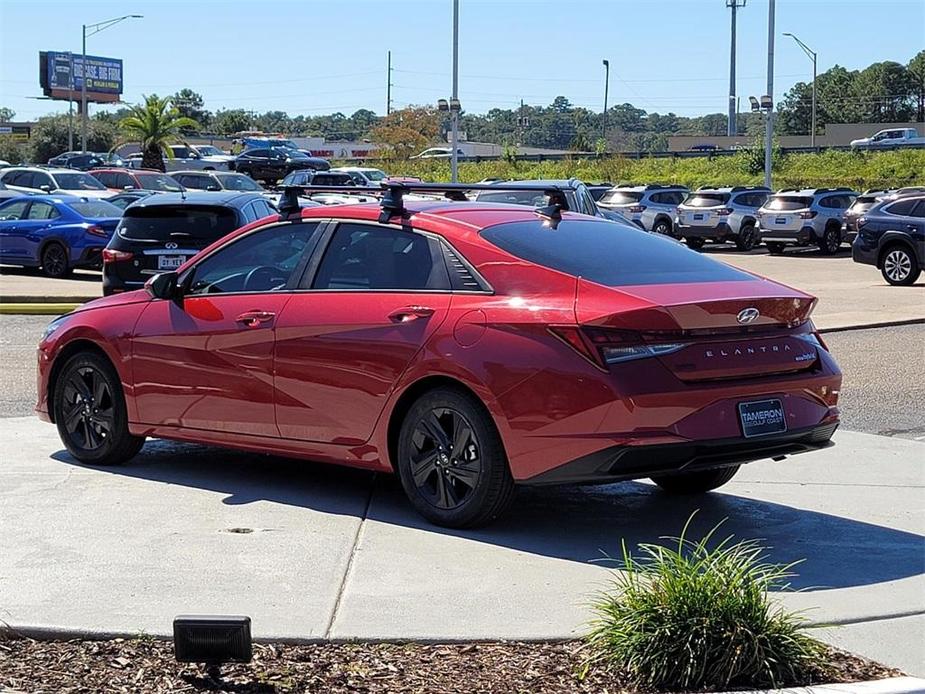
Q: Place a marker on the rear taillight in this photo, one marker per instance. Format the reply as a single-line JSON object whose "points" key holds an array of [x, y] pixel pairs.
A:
{"points": [[603, 346], [724, 212], [112, 256], [636, 209], [807, 214], [97, 231]]}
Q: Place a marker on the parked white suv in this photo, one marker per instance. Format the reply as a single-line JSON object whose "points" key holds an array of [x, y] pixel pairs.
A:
{"points": [[36, 180], [652, 207], [812, 216], [363, 176]]}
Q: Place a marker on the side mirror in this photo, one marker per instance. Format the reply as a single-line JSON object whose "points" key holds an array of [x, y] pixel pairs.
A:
{"points": [[46, 188], [212, 186], [128, 187], [163, 286]]}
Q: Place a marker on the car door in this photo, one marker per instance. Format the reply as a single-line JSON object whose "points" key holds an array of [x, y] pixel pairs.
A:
{"points": [[12, 235], [206, 362], [378, 294], [35, 226]]}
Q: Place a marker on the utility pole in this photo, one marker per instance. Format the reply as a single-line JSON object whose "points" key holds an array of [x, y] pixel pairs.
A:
{"points": [[388, 86], [769, 121], [606, 88], [70, 103], [520, 125], [733, 126], [83, 94], [454, 144]]}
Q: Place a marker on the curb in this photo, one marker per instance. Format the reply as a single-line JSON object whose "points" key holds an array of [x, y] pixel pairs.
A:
{"points": [[57, 298], [871, 326], [36, 309]]}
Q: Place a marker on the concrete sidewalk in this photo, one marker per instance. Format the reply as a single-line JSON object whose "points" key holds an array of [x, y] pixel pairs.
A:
{"points": [[318, 552]]}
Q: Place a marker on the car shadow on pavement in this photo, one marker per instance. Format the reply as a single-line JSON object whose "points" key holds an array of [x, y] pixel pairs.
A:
{"points": [[79, 275], [581, 524]]}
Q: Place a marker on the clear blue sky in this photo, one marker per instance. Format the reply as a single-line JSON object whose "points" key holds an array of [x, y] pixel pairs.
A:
{"points": [[319, 56]]}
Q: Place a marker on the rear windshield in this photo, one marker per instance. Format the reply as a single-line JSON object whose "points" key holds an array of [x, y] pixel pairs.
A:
{"points": [[787, 202], [238, 182], [95, 208], [620, 197], [707, 200], [608, 253], [160, 223], [160, 182]]}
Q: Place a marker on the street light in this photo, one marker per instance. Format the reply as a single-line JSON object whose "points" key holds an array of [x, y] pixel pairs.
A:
{"points": [[94, 29], [606, 86], [454, 112], [812, 55]]}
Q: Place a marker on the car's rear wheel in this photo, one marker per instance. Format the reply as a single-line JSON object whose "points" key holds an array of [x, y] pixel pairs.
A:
{"points": [[746, 238], [900, 266], [451, 460], [775, 247], [663, 226], [55, 261], [831, 240], [696, 482], [90, 414], [694, 243]]}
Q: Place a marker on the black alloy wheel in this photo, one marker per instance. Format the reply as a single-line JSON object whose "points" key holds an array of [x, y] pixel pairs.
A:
{"points": [[54, 260], [747, 238], [89, 410], [663, 226], [451, 460], [830, 241]]}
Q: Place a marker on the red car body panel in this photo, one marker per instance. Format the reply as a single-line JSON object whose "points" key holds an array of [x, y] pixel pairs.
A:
{"points": [[322, 376]]}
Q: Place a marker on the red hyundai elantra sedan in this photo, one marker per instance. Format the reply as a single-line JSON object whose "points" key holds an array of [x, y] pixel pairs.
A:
{"points": [[469, 347]]}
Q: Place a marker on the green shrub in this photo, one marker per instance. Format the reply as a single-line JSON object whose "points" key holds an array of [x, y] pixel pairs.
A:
{"points": [[690, 615]]}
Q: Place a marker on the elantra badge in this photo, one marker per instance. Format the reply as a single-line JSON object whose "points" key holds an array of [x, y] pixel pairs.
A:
{"points": [[747, 315]]}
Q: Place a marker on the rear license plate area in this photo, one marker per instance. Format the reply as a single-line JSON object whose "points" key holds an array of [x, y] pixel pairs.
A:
{"points": [[170, 262], [780, 220], [762, 418]]}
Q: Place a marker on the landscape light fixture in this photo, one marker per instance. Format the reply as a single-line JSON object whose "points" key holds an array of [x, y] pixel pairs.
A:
{"points": [[212, 640]]}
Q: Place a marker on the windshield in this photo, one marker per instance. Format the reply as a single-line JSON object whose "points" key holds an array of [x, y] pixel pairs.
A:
{"points": [[78, 181], [161, 182], [706, 200], [95, 208], [786, 203], [160, 223], [620, 197], [238, 182], [209, 150], [607, 253]]}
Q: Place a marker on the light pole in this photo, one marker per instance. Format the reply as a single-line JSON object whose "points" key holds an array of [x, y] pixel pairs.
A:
{"points": [[94, 29], [769, 122], [812, 56], [454, 99], [732, 127], [606, 88]]}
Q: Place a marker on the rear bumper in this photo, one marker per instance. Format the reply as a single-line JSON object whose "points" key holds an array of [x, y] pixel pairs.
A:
{"points": [[633, 462], [719, 231], [862, 253], [804, 235]]}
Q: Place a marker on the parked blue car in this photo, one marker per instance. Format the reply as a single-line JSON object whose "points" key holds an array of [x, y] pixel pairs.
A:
{"points": [[56, 232]]}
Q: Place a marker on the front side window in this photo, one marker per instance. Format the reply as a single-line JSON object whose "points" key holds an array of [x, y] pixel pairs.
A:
{"points": [[13, 211], [95, 208], [42, 210], [263, 261], [367, 257], [235, 181], [41, 179]]}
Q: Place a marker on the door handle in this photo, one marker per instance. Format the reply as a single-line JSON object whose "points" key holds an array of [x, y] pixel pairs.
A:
{"points": [[410, 313], [253, 319]]}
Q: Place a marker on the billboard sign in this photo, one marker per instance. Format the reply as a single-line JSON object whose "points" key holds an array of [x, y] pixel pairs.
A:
{"points": [[62, 72]]}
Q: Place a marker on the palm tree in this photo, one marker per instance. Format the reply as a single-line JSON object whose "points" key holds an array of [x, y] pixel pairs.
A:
{"points": [[156, 124]]}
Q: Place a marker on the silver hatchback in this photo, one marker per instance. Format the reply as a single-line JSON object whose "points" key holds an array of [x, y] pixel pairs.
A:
{"points": [[651, 207], [811, 216], [720, 215]]}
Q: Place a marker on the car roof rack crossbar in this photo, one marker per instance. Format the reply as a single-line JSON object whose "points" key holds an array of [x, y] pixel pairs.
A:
{"points": [[392, 194]]}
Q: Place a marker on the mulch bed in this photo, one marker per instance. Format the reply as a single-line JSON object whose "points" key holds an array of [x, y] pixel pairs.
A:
{"points": [[148, 665]]}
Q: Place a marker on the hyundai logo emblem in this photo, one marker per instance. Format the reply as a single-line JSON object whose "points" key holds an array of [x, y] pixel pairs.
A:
{"points": [[171, 245], [747, 315]]}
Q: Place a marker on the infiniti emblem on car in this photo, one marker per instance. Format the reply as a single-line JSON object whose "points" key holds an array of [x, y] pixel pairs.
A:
{"points": [[171, 245], [747, 315]]}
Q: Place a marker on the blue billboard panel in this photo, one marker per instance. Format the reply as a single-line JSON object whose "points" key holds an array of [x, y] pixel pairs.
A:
{"points": [[104, 75]]}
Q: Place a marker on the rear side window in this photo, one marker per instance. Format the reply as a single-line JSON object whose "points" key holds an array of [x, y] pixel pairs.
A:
{"points": [[42, 210], [784, 203], [707, 200], [186, 222], [607, 253], [902, 207]]}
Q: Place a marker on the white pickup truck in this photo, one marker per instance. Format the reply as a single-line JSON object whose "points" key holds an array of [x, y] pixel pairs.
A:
{"points": [[893, 137]]}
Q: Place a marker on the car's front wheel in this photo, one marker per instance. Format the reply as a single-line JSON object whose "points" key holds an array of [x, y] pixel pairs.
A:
{"points": [[451, 460], [90, 414], [696, 482], [900, 266]]}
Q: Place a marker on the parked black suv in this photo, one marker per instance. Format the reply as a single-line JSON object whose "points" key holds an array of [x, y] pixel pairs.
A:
{"points": [[161, 232], [891, 235], [273, 163]]}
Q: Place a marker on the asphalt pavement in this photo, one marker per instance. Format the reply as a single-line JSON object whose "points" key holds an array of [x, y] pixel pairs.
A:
{"points": [[884, 374]]}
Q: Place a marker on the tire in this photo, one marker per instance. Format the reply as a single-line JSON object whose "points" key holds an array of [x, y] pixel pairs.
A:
{"points": [[89, 409], [747, 238], [776, 247], [899, 266], [55, 260], [694, 243], [696, 482], [455, 492], [830, 241], [663, 226]]}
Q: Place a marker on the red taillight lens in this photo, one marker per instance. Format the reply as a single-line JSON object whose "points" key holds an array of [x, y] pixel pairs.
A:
{"points": [[604, 346], [724, 212], [111, 256], [97, 231], [808, 214], [636, 209]]}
